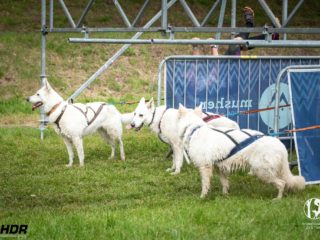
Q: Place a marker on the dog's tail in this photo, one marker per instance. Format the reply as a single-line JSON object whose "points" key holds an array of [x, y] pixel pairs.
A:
{"points": [[292, 182], [126, 118]]}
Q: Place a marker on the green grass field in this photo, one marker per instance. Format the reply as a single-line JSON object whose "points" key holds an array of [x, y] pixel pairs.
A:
{"points": [[111, 199], [135, 199]]}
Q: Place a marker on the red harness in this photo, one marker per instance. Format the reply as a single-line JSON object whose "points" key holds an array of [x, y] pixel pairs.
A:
{"points": [[208, 118]]}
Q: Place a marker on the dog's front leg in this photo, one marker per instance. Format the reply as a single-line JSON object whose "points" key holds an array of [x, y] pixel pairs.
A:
{"points": [[206, 174], [77, 141], [68, 144]]}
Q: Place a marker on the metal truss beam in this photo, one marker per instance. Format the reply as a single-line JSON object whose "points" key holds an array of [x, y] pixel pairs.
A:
{"points": [[294, 11], [85, 12], [249, 43], [206, 19], [122, 13], [67, 13], [198, 27], [116, 55], [270, 14], [190, 13], [221, 17], [141, 11], [263, 30]]}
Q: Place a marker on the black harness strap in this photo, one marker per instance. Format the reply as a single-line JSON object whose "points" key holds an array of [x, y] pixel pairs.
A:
{"points": [[230, 130], [242, 145], [96, 113], [159, 126], [246, 133], [238, 146], [226, 134], [190, 135], [154, 113], [86, 112], [60, 116]]}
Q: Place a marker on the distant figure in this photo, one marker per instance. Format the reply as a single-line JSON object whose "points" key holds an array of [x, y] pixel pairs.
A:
{"points": [[248, 15]]}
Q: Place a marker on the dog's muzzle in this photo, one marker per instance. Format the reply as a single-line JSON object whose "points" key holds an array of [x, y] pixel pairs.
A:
{"points": [[36, 105], [138, 128]]}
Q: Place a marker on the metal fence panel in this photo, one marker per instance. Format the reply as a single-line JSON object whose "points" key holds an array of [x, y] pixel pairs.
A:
{"points": [[229, 85], [304, 86]]}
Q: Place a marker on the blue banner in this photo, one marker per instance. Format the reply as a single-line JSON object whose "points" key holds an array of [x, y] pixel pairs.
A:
{"points": [[229, 85], [305, 97]]}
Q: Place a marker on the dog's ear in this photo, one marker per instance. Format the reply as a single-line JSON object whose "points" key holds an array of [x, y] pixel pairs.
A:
{"points": [[46, 84], [150, 104], [142, 101], [182, 110], [198, 110]]}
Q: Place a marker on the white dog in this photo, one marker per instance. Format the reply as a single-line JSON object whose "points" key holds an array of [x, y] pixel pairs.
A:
{"points": [[73, 121], [163, 122], [232, 149]]}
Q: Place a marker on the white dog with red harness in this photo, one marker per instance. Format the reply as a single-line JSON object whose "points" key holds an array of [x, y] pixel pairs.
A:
{"points": [[163, 122], [233, 149], [74, 121]]}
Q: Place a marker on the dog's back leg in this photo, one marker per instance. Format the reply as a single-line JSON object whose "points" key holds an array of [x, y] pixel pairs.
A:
{"points": [[269, 176], [177, 158], [206, 174], [122, 155], [280, 185], [77, 141], [224, 182], [68, 144], [104, 134]]}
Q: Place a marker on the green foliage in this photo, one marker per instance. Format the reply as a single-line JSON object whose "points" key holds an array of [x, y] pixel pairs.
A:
{"points": [[135, 199]]}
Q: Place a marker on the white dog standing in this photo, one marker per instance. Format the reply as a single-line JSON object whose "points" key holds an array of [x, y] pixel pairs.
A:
{"points": [[74, 121], [232, 149], [163, 122]]}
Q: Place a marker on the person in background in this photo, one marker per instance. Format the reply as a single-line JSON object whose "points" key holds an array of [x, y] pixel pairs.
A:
{"points": [[248, 15]]}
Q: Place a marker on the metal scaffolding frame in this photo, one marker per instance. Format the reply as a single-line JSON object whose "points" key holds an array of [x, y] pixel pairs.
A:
{"points": [[167, 30]]}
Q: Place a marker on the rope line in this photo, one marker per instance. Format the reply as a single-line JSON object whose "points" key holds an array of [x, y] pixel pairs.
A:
{"points": [[255, 110], [295, 130], [130, 102]]}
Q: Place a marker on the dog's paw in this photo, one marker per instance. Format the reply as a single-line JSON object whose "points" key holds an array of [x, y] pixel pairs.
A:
{"points": [[174, 173], [276, 199], [250, 172], [225, 193], [169, 170], [68, 165], [111, 158], [202, 196]]}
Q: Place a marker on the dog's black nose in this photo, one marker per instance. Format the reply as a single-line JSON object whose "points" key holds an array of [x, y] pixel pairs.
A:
{"points": [[132, 125], [27, 99]]}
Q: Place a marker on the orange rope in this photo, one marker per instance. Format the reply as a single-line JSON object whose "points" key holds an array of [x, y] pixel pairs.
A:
{"points": [[262, 109], [303, 129]]}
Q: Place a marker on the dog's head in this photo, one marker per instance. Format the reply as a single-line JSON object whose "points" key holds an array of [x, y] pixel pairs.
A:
{"points": [[187, 117], [44, 96], [142, 114]]}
